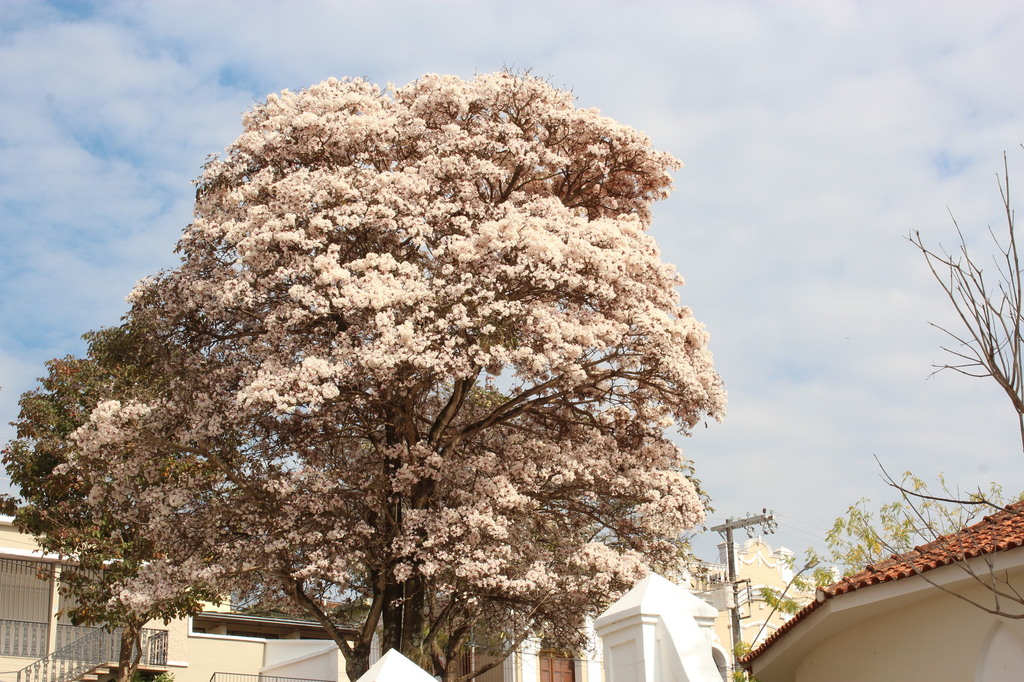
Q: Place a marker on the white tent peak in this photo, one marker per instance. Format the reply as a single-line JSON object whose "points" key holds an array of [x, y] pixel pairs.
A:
{"points": [[394, 667]]}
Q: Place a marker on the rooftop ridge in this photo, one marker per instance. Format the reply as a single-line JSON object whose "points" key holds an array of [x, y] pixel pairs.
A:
{"points": [[996, 532]]}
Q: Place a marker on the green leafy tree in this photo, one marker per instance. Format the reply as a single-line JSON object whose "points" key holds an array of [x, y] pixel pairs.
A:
{"points": [[104, 551], [865, 536]]}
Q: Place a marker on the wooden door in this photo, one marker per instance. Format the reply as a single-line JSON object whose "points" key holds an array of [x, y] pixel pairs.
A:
{"points": [[557, 669]]}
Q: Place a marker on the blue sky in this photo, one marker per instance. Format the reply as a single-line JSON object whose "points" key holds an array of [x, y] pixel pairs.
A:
{"points": [[816, 136]]}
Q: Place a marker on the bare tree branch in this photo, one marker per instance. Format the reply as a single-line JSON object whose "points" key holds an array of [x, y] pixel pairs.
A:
{"points": [[990, 309]]}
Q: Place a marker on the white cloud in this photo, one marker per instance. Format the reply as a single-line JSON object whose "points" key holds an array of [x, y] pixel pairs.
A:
{"points": [[816, 136]]}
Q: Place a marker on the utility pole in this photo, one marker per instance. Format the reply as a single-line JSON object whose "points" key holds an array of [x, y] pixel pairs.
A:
{"points": [[766, 520]]}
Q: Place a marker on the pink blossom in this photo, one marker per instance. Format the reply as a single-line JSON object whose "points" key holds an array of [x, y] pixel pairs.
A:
{"points": [[429, 347]]}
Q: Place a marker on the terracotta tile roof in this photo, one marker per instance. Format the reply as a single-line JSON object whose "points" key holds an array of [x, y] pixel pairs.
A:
{"points": [[996, 533]]}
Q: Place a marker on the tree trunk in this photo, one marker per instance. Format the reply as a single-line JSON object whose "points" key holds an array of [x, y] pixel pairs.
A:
{"points": [[357, 662], [127, 664], [412, 621], [403, 621], [391, 618]]}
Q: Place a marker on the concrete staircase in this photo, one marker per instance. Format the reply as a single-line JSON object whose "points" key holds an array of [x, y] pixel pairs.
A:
{"points": [[89, 658]]}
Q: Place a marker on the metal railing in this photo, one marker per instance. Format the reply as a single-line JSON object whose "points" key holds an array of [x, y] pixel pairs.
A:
{"points": [[23, 638], [68, 634], [94, 649], [706, 573], [28, 639], [239, 677], [25, 588]]}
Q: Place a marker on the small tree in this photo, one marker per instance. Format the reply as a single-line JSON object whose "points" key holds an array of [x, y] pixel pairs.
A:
{"points": [[989, 344], [57, 505], [866, 536], [989, 305], [425, 354]]}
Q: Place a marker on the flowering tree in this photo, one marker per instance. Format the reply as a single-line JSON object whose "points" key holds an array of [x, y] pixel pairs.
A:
{"points": [[105, 548], [419, 356]]}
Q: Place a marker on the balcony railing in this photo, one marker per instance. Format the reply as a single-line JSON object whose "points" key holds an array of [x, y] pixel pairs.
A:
{"points": [[238, 677], [68, 634], [92, 650], [22, 638]]}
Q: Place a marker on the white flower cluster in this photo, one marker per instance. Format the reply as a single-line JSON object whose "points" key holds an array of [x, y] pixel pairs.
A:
{"points": [[428, 338]]}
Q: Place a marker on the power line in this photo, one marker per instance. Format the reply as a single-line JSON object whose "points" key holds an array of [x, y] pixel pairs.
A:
{"points": [[802, 536], [805, 523]]}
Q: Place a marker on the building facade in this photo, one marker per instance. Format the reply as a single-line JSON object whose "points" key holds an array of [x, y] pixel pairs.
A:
{"points": [[38, 644], [950, 609], [757, 566]]}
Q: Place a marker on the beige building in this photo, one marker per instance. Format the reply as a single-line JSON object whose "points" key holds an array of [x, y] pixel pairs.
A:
{"points": [[931, 614], [37, 644], [758, 566]]}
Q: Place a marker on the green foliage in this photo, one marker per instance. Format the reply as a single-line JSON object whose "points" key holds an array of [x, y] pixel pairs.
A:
{"points": [[140, 676], [812, 575], [739, 674], [921, 514], [780, 602], [102, 549]]}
